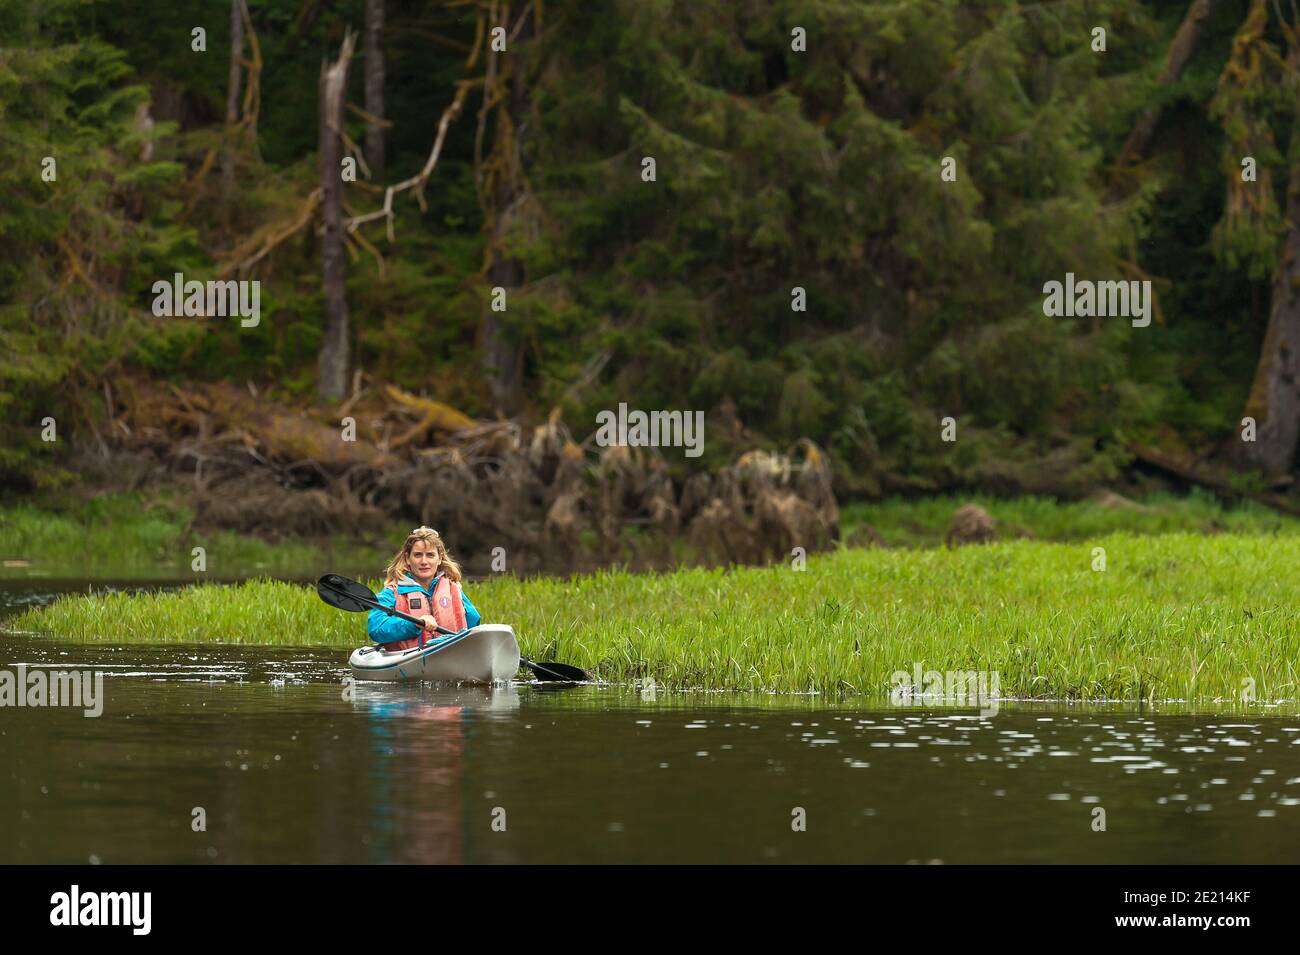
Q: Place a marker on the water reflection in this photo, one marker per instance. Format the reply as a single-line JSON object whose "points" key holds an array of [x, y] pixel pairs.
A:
{"points": [[415, 769], [291, 765]]}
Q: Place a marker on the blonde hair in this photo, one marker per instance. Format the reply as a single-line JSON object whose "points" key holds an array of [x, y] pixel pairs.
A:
{"points": [[400, 565]]}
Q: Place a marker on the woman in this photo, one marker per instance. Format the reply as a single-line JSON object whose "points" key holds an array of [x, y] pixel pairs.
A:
{"points": [[421, 580]]}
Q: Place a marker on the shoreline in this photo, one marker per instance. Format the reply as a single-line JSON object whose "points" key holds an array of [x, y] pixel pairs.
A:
{"points": [[40, 541], [1177, 616]]}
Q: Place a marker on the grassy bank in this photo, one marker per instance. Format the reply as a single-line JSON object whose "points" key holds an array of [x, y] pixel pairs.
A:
{"points": [[1179, 616], [923, 522], [149, 536]]}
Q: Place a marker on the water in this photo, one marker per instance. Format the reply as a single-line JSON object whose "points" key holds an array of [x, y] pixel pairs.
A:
{"points": [[287, 765]]}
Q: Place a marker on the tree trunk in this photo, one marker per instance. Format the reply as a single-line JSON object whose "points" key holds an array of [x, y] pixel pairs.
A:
{"points": [[333, 369], [1274, 400], [1180, 51], [502, 352], [232, 110], [375, 87]]}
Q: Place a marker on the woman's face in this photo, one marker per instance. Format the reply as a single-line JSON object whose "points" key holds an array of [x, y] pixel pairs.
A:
{"points": [[424, 559]]}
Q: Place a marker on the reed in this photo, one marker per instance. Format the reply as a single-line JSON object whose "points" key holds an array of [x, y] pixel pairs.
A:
{"points": [[923, 522], [1173, 617], [149, 536]]}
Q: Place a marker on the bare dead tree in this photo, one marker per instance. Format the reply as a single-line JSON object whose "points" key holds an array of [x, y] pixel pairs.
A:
{"points": [[375, 86], [1180, 52], [503, 192], [332, 375], [420, 179], [232, 110], [1274, 400]]}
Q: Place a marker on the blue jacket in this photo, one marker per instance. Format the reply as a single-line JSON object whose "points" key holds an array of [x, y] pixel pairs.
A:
{"points": [[385, 629]]}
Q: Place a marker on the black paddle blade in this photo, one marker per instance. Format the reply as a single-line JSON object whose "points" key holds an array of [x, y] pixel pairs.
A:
{"points": [[557, 671], [345, 594]]}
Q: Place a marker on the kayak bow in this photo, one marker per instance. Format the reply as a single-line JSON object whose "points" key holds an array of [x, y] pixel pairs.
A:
{"points": [[484, 654]]}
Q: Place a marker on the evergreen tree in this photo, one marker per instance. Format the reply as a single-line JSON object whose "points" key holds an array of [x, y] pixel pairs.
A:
{"points": [[79, 244]]}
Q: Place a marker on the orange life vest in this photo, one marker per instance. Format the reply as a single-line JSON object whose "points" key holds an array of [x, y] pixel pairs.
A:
{"points": [[448, 609]]}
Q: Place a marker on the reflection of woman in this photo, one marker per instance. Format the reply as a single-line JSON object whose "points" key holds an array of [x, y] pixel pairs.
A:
{"points": [[416, 747], [421, 580]]}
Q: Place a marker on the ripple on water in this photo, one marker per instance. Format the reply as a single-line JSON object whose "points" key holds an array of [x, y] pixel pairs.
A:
{"points": [[921, 772]]}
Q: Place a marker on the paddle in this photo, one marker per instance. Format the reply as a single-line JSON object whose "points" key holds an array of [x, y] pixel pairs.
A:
{"points": [[345, 594]]}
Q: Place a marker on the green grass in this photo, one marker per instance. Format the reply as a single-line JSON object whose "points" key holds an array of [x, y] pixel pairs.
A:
{"points": [[922, 522], [1180, 616], [146, 536]]}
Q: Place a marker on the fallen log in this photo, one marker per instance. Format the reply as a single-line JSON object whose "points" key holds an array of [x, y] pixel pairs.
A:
{"points": [[436, 414], [1219, 485], [258, 463]]}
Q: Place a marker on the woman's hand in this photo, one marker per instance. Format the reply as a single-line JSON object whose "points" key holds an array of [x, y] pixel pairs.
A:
{"points": [[429, 623]]}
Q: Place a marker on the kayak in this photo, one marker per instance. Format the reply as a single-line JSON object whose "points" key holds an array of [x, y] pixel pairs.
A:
{"points": [[484, 654]]}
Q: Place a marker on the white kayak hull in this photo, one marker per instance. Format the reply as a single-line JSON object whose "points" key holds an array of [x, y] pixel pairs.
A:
{"points": [[484, 654]]}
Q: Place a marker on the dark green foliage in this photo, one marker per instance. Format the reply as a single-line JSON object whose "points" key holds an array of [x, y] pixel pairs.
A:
{"points": [[775, 170], [75, 251]]}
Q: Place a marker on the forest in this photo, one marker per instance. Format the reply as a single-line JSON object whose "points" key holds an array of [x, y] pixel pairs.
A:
{"points": [[452, 233]]}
